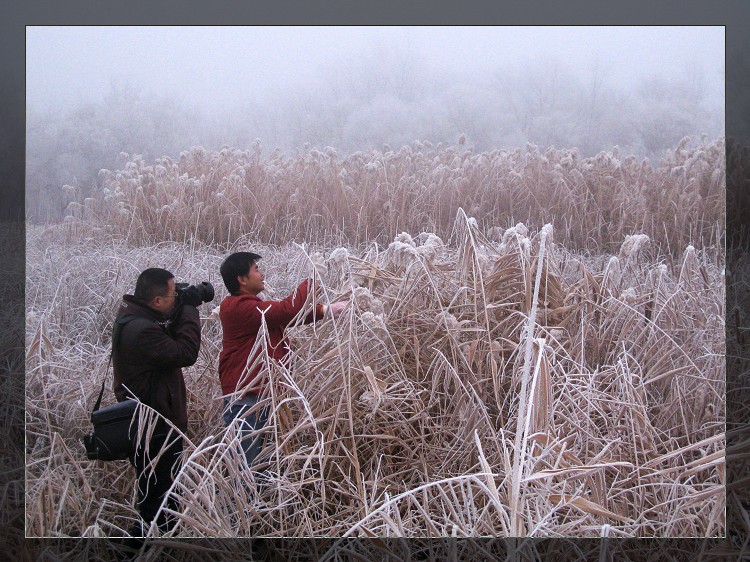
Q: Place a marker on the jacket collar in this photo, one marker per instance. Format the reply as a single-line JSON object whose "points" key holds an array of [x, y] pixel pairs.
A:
{"points": [[246, 296], [136, 307]]}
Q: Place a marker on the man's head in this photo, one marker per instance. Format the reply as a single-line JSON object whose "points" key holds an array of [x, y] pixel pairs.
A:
{"points": [[241, 274], [155, 287]]}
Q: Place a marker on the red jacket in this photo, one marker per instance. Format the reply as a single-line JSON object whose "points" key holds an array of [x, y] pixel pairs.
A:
{"points": [[240, 317]]}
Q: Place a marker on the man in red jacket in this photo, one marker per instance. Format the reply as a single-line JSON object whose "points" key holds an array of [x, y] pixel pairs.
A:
{"points": [[241, 314]]}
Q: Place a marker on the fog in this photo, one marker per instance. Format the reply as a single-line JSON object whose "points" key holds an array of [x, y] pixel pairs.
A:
{"points": [[94, 92], [226, 65]]}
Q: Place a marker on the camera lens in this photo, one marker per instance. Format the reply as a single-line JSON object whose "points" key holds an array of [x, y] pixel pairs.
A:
{"points": [[206, 291]]}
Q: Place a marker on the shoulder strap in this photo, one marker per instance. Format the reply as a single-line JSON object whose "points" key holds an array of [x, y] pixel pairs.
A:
{"points": [[117, 328], [101, 392]]}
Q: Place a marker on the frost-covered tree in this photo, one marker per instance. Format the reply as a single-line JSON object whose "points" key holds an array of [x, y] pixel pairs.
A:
{"points": [[70, 147]]}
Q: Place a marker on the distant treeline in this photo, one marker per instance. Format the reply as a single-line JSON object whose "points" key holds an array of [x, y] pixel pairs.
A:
{"points": [[361, 109]]}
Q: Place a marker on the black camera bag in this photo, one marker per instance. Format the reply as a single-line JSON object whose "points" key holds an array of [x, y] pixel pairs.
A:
{"points": [[114, 429], [114, 432]]}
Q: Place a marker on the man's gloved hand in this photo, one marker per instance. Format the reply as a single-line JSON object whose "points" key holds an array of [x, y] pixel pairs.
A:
{"points": [[335, 309], [191, 296]]}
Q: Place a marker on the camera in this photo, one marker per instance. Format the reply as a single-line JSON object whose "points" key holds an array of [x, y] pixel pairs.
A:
{"points": [[205, 290]]}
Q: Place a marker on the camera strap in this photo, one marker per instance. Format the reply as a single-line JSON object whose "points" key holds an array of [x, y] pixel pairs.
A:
{"points": [[115, 339]]}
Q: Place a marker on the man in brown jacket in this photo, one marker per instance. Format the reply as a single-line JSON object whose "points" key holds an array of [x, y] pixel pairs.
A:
{"points": [[153, 338]]}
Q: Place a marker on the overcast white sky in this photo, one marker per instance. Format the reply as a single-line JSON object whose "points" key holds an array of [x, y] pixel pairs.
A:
{"points": [[207, 65]]}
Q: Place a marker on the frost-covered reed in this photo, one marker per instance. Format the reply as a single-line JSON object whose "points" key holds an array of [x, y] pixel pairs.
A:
{"points": [[327, 199], [478, 386]]}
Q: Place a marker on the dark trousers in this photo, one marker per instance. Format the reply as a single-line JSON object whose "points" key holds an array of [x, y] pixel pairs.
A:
{"points": [[154, 478]]}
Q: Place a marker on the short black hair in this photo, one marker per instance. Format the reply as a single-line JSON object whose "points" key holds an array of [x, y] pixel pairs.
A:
{"points": [[235, 265], [152, 282]]}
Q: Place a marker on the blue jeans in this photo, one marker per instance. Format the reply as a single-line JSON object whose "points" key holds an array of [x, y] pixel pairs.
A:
{"points": [[251, 444]]}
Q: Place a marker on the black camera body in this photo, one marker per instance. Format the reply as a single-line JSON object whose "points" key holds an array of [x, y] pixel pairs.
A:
{"points": [[205, 290]]}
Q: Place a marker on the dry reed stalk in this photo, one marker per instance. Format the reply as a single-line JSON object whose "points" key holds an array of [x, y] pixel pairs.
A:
{"points": [[524, 411]]}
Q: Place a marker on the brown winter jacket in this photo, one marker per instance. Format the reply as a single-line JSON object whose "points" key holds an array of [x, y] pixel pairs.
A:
{"points": [[148, 353]]}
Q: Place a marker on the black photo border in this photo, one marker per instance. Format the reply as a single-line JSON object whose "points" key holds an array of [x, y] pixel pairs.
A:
{"points": [[732, 14]]}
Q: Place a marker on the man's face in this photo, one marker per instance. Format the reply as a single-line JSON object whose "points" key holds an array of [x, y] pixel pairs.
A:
{"points": [[165, 303], [252, 282]]}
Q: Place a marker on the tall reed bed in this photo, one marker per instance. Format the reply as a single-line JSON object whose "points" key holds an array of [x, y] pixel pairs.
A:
{"points": [[327, 199], [476, 386]]}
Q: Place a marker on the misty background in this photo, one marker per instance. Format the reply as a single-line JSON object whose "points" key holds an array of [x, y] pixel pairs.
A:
{"points": [[95, 94]]}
